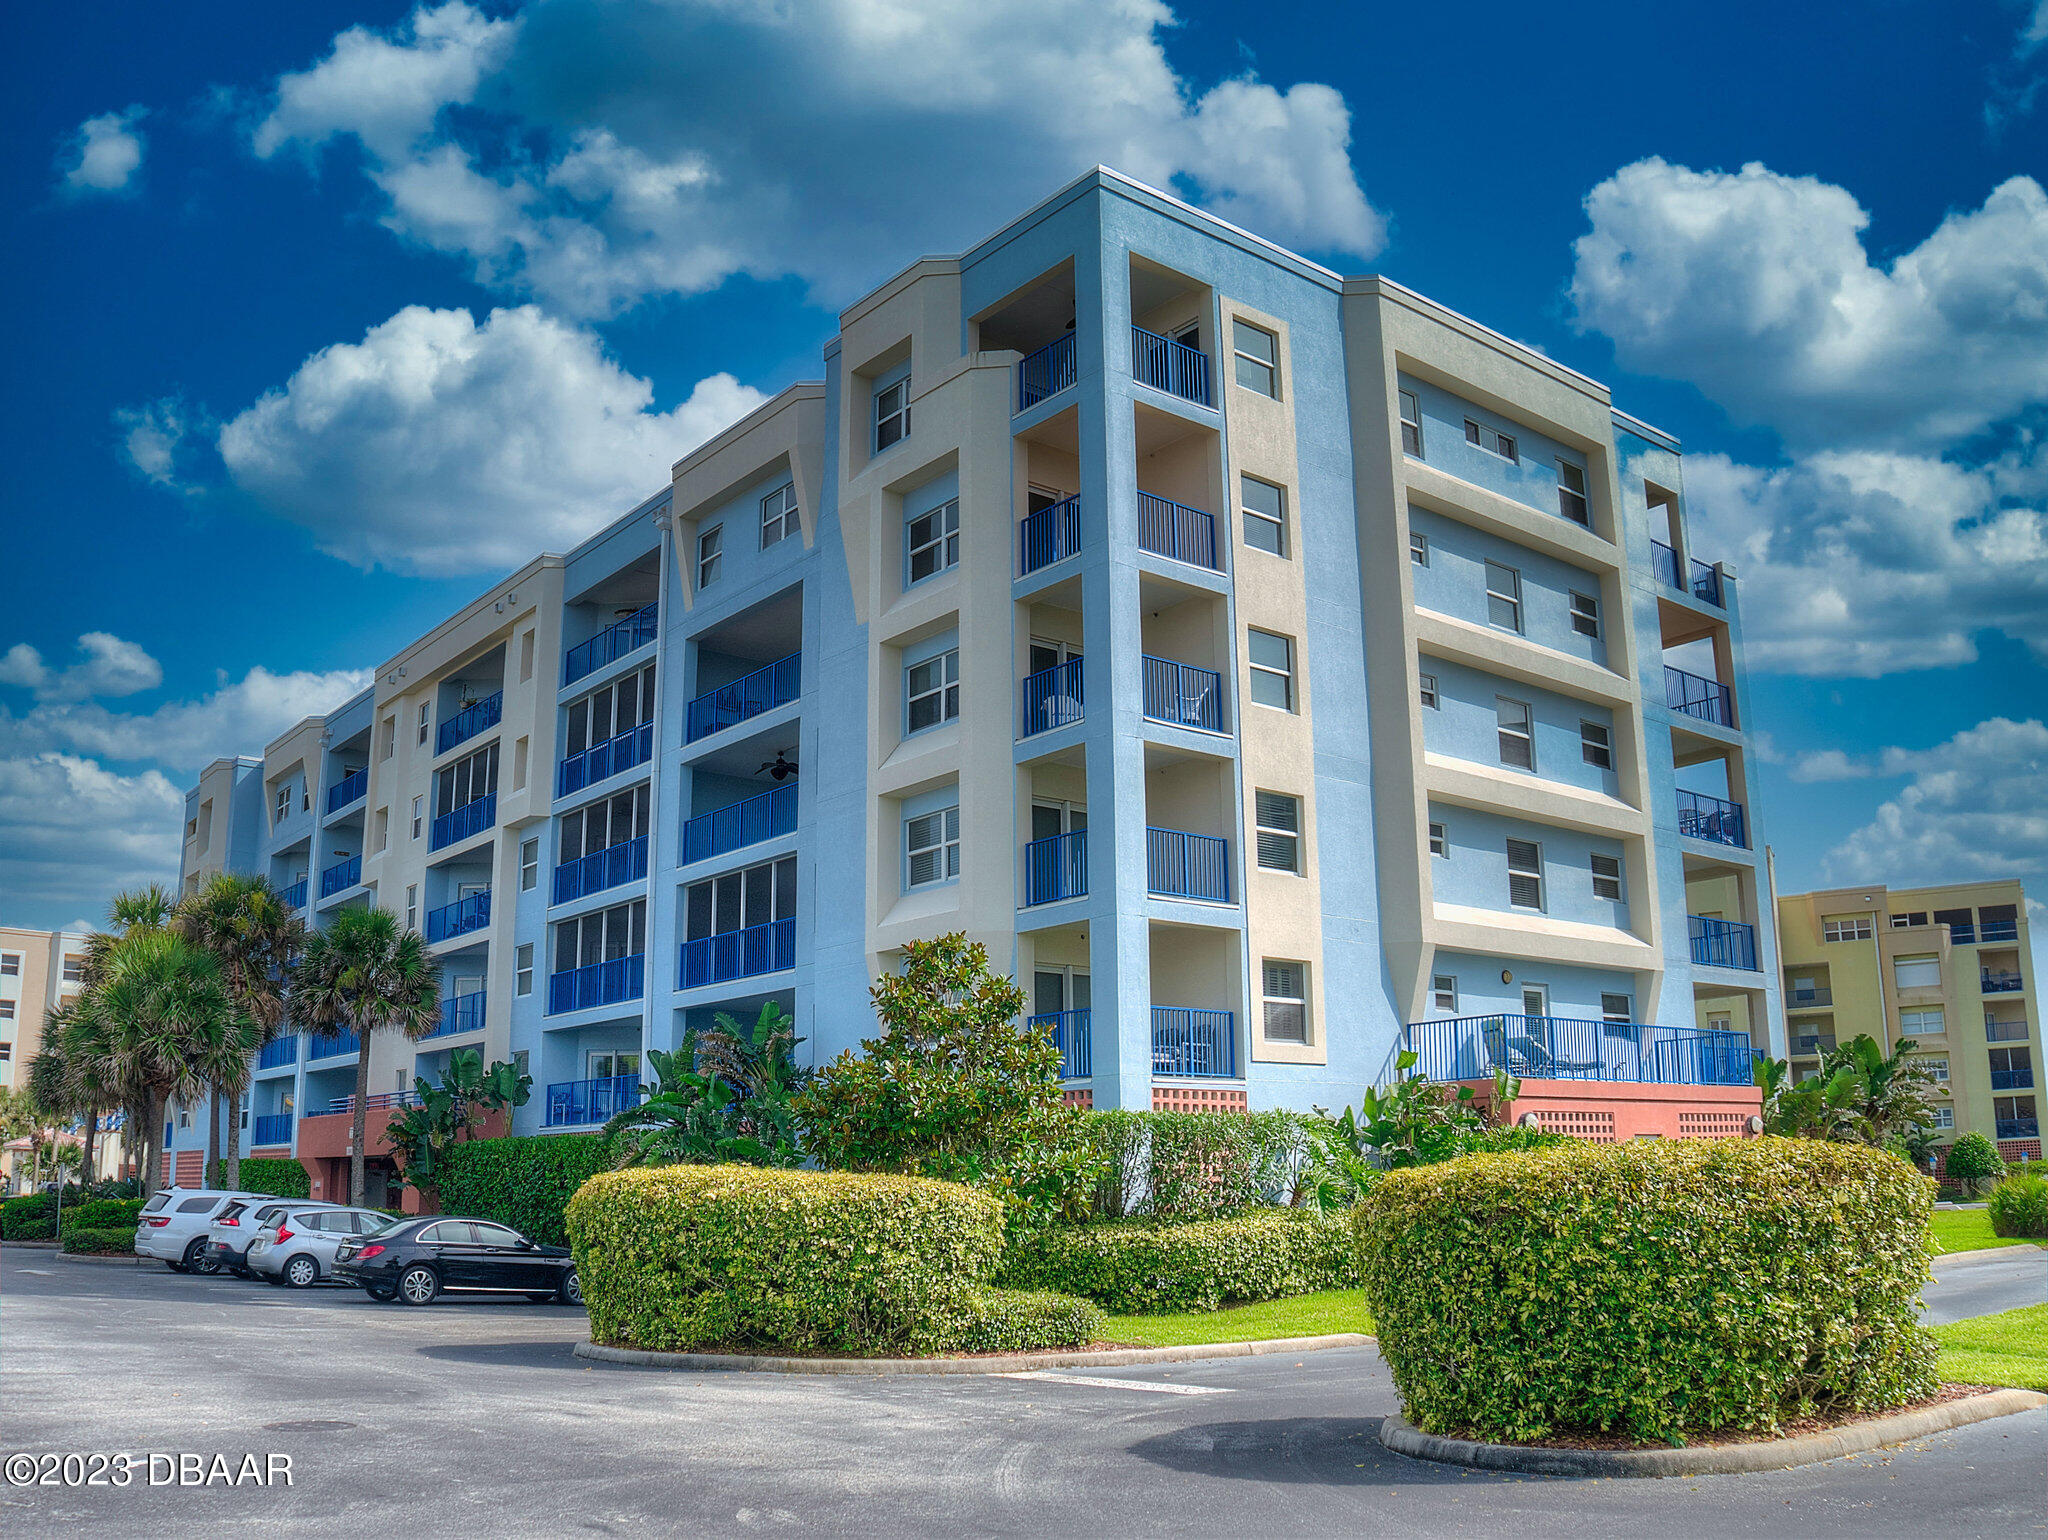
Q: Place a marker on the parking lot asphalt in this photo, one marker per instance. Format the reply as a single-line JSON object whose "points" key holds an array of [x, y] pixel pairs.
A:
{"points": [[472, 1417], [1983, 1282]]}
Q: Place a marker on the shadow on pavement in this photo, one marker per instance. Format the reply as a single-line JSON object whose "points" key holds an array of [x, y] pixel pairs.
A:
{"points": [[524, 1355]]}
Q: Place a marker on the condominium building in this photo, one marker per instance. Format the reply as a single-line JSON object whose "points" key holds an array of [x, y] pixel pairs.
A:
{"points": [[1950, 968], [1275, 670], [39, 971]]}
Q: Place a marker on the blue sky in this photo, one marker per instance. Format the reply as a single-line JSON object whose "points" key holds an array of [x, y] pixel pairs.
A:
{"points": [[327, 314]]}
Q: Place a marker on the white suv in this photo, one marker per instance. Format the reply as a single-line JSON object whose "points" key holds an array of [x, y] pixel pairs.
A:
{"points": [[173, 1226], [297, 1245], [232, 1231]]}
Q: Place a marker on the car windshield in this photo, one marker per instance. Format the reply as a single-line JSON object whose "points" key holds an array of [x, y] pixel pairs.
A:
{"points": [[156, 1203], [386, 1227]]}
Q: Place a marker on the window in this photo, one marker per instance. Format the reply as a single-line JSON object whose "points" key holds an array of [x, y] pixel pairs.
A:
{"points": [[284, 803], [388, 731], [1265, 515], [1517, 739], [710, 554], [412, 907], [522, 970], [1908, 921], [1502, 444], [2014, 1109], [1504, 597], [932, 541], [1595, 745], [380, 830], [1440, 840], [1916, 972], [1938, 1068], [1571, 492], [520, 753], [932, 691], [1444, 987], [1272, 660], [1954, 919], [624, 706], [1586, 615], [778, 515], [892, 413], [741, 900], [1418, 548], [597, 826], [6, 1010], [426, 720], [1258, 358], [1845, 927], [10, 965], [1719, 1023], [611, 934], [1617, 1010], [1525, 874], [931, 848], [1279, 830], [2012, 1066], [1922, 1023], [419, 813], [1411, 424], [1944, 1117], [1607, 877], [1285, 998], [73, 968], [470, 779], [529, 865], [525, 657], [1430, 698]]}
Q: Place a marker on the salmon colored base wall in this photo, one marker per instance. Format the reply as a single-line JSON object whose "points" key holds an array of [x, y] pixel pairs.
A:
{"points": [[1608, 1112]]}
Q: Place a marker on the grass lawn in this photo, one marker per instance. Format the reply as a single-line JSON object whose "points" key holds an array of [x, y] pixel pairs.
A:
{"points": [[2006, 1349], [1306, 1315], [1965, 1229]]}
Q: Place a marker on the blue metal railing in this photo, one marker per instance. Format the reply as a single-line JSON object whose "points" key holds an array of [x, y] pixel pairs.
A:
{"points": [[1187, 1040], [1707, 699], [600, 983], [321, 1046], [1568, 1048], [2012, 1079], [1999, 983], [1049, 535], [601, 869], [763, 690], [271, 1128], [341, 876], [2019, 1128], [572, 1103], [279, 1051], [739, 824], [470, 721], [1174, 530], [1182, 865], [1995, 930], [1052, 697], [1963, 935], [1722, 943], [470, 818], [460, 1013], [1664, 564], [1069, 1032], [1046, 373], [294, 897], [1171, 366], [460, 917], [1056, 867], [350, 788], [610, 644], [1706, 584], [618, 753], [1702, 817], [738, 954], [1183, 694]]}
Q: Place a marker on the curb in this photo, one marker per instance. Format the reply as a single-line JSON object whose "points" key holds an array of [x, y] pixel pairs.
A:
{"points": [[34, 1245], [1005, 1364], [117, 1261], [1402, 1437], [1983, 1255]]}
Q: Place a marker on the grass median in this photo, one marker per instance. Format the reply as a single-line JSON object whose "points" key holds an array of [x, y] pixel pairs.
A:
{"points": [[1305, 1315], [2010, 1348], [1966, 1229]]}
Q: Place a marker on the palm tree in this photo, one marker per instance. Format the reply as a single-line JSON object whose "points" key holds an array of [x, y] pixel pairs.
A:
{"points": [[51, 1086], [364, 972], [18, 1118], [247, 926]]}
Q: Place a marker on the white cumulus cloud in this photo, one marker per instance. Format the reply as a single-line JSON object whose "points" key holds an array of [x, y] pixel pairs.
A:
{"points": [[103, 154], [109, 667], [73, 833]]}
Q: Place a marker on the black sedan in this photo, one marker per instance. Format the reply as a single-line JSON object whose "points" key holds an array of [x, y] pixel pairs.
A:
{"points": [[417, 1260]]}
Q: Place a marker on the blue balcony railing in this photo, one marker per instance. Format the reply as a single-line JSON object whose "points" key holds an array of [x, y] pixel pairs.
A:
{"points": [[1171, 366], [470, 818], [610, 644], [1706, 584], [294, 897], [1187, 1040], [763, 690], [1707, 699], [1056, 867], [279, 1051], [574, 1103], [601, 869], [2019, 1128], [323, 1046], [1044, 374], [1049, 535], [1964, 934], [460, 917], [738, 954], [1722, 943], [601, 983], [1702, 817], [1182, 865], [1999, 983], [1069, 1033], [352, 787], [601, 761], [1052, 698], [470, 721], [2013, 1079], [341, 876], [740, 824], [1996, 930], [1567, 1048], [1182, 694], [460, 1013], [271, 1128], [1176, 531], [1664, 564]]}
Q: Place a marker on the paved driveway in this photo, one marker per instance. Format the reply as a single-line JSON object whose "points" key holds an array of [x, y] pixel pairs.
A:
{"points": [[473, 1419], [1985, 1282]]}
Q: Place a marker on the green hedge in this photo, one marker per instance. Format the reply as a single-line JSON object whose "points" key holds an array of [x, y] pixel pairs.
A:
{"points": [[1140, 1266], [2019, 1208], [1194, 1165], [32, 1230], [102, 1214], [31, 1217], [99, 1242], [1652, 1288], [679, 1258], [522, 1182], [273, 1178], [1017, 1321]]}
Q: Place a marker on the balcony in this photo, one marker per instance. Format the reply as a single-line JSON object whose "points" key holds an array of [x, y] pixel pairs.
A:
{"points": [[1187, 1040], [1171, 366], [322, 1045], [1069, 1033], [1052, 698], [341, 876], [470, 721], [738, 954], [1044, 374], [1182, 865], [1056, 868], [740, 824], [470, 818], [1706, 584], [1808, 999], [1999, 983], [1995, 930], [614, 756], [1813, 1047], [2012, 1079], [2019, 1128], [1664, 564], [1702, 817], [377, 1101], [1176, 531], [279, 1051], [294, 897], [610, 982], [1707, 699], [270, 1128], [460, 1013], [601, 869], [610, 644], [352, 787], [1565, 1048], [573, 1103], [460, 917], [748, 696], [1996, 1031], [1183, 695], [1722, 943], [1049, 535]]}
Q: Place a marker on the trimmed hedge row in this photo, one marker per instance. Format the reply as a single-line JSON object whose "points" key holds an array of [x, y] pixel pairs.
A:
{"points": [[1020, 1321], [99, 1242], [31, 1217], [522, 1182], [2019, 1208], [1653, 1288], [1193, 1165], [274, 1178], [1137, 1266], [103, 1214]]}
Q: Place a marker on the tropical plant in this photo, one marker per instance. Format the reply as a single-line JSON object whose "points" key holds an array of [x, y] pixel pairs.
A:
{"points": [[451, 1113], [726, 1096], [21, 1117], [1862, 1095], [364, 974], [1417, 1121], [1973, 1159], [1917, 1144], [103, 1076]]}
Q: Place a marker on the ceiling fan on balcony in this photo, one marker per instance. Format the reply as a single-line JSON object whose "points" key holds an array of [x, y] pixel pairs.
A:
{"points": [[782, 767]]}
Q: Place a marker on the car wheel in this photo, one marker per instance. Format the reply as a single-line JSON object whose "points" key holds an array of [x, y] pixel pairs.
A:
{"points": [[270, 1278], [571, 1292], [176, 1267], [382, 1295], [197, 1261], [302, 1272], [418, 1285]]}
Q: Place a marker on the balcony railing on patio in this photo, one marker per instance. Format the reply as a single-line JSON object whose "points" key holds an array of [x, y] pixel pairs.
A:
{"points": [[764, 689], [1707, 699], [294, 897], [350, 788], [1722, 943], [1044, 374], [738, 954], [1807, 999], [617, 754], [1187, 1040], [279, 1051], [2007, 1031], [1706, 584], [1702, 817], [1813, 1044], [2019, 1128], [611, 644], [460, 917], [1056, 867], [2012, 1079], [1664, 564], [1176, 531], [1069, 1033], [1171, 366], [341, 876], [320, 1046], [470, 818], [573, 1103], [1183, 865], [271, 1128], [2000, 983], [1049, 535], [601, 869], [377, 1101], [460, 1013], [1567, 1048], [1052, 698], [470, 721], [739, 824], [1183, 694], [1996, 930], [600, 983]]}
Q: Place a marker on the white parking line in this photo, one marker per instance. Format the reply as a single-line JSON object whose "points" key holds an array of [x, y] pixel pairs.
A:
{"points": [[1090, 1379]]}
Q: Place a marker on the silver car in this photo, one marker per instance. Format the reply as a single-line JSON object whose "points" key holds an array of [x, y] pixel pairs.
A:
{"points": [[295, 1243]]}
